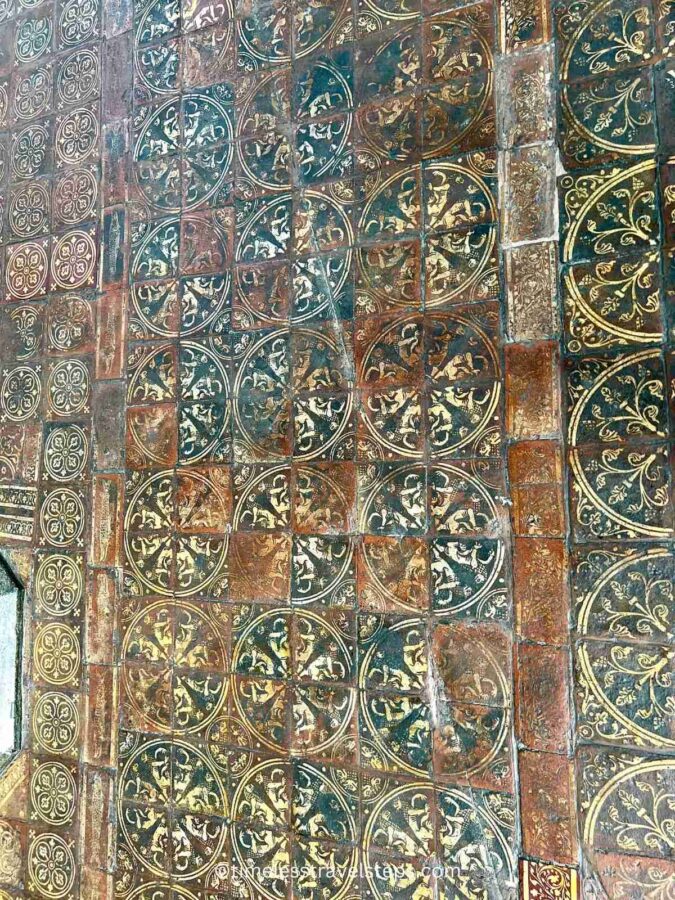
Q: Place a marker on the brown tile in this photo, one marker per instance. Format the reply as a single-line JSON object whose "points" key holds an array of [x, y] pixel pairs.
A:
{"points": [[529, 203], [527, 100], [100, 618], [547, 806], [535, 462], [106, 533], [548, 881], [532, 390], [473, 661], [260, 566], [393, 574], [96, 811], [634, 876], [110, 335], [524, 23], [531, 289], [542, 697], [100, 734], [540, 589]]}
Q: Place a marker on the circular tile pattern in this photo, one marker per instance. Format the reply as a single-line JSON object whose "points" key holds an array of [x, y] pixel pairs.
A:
{"points": [[53, 793], [59, 584], [56, 722], [21, 392], [57, 653], [68, 388], [73, 260], [51, 866], [27, 270]]}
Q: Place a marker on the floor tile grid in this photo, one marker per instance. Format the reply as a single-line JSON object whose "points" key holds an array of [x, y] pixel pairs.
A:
{"points": [[244, 519], [41, 273], [618, 352]]}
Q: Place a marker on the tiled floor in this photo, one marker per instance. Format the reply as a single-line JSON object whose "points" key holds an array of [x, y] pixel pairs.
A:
{"points": [[336, 447]]}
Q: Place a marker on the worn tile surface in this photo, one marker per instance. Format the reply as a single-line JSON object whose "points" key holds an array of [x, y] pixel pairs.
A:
{"points": [[336, 402]]}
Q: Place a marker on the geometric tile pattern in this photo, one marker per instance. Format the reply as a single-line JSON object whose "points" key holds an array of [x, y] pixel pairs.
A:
{"points": [[336, 440], [50, 198], [615, 131], [314, 521]]}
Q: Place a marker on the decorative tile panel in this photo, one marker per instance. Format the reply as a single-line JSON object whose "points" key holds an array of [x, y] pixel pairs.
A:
{"points": [[336, 418]]}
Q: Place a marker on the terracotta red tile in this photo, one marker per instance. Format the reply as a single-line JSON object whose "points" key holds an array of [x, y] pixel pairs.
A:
{"points": [[535, 469], [540, 589], [324, 498], [152, 435], [547, 806], [532, 390], [542, 698], [99, 746], [538, 509], [473, 661], [472, 746], [535, 462], [100, 617], [107, 509], [110, 335], [96, 885], [204, 500], [393, 574], [259, 566], [97, 803], [388, 350]]}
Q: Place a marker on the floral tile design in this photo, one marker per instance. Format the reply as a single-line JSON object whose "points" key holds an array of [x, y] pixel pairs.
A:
{"points": [[336, 447]]}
